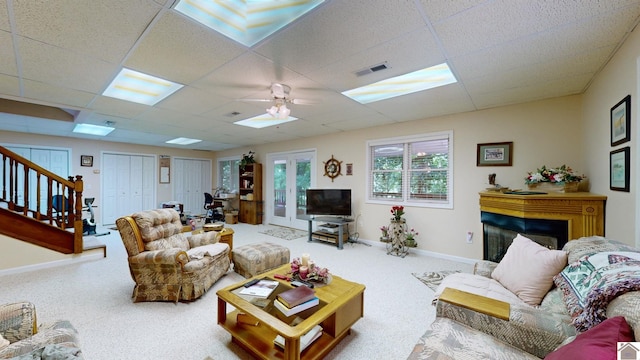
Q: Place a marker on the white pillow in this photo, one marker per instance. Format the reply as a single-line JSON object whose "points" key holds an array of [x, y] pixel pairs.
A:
{"points": [[527, 269], [3, 342], [200, 252]]}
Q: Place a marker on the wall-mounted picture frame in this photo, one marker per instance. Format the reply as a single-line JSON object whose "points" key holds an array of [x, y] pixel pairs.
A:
{"points": [[621, 121], [495, 154], [620, 169], [349, 169], [86, 160]]}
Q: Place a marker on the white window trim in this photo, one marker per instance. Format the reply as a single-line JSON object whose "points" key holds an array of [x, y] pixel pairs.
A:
{"points": [[407, 139]]}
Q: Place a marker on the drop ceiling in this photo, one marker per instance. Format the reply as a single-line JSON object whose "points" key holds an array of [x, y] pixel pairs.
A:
{"points": [[65, 53]]}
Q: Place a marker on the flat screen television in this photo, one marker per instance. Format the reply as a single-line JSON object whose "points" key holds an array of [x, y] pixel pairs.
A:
{"points": [[335, 202]]}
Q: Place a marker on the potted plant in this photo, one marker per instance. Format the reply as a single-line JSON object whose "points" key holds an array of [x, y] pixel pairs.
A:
{"points": [[410, 238], [563, 177], [247, 159], [385, 234]]}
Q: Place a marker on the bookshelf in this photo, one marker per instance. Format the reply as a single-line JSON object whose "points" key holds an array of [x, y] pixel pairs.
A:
{"points": [[251, 194]]}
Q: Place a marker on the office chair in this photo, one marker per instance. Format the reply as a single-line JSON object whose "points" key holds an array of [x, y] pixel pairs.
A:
{"points": [[59, 213]]}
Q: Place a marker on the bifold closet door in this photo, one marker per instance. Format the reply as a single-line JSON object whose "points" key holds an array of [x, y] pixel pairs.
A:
{"points": [[128, 185], [192, 178]]}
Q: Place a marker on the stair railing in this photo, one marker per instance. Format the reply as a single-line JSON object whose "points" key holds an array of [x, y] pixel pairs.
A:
{"points": [[20, 174]]}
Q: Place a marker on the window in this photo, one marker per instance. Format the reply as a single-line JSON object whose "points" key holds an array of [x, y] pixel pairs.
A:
{"points": [[416, 170], [228, 173]]}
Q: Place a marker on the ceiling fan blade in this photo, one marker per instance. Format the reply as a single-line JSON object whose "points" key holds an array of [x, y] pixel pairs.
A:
{"points": [[256, 100], [303, 102]]}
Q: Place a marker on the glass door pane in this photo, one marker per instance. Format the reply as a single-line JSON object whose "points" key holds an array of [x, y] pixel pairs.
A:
{"points": [[279, 190]]}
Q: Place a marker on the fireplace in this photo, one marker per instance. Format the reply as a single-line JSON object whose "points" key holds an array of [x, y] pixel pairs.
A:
{"points": [[549, 219], [500, 230]]}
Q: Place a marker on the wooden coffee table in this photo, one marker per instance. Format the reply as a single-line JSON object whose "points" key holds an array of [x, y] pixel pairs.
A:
{"points": [[341, 305]]}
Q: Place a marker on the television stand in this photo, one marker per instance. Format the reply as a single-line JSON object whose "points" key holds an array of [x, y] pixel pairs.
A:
{"points": [[330, 234]]}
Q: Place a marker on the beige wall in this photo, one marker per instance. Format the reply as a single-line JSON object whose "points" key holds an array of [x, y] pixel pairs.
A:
{"points": [[617, 80], [543, 132]]}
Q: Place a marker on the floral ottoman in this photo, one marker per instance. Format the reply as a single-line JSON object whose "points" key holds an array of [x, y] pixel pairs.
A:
{"points": [[250, 260]]}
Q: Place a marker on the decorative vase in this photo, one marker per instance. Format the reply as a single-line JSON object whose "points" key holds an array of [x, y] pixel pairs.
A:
{"points": [[397, 231], [546, 187], [385, 239]]}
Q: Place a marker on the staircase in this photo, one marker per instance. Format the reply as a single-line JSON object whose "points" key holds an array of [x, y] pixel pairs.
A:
{"points": [[38, 221]]}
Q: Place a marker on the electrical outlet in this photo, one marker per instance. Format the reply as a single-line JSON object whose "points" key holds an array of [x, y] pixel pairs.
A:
{"points": [[469, 237]]}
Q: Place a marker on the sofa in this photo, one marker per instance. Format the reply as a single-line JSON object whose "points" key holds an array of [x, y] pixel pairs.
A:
{"points": [[166, 263], [22, 338], [587, 291]]}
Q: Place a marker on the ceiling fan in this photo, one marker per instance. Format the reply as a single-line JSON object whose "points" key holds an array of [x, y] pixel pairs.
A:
{"points": [[280, 96]]}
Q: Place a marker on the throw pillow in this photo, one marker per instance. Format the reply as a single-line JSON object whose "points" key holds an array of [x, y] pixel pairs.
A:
{"points": [[3, 342], [599, 342], [591, 283], [527, 269]]}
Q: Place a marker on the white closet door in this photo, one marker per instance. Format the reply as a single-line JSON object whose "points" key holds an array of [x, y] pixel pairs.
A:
{"points": [[128, 185], [192, 178]]}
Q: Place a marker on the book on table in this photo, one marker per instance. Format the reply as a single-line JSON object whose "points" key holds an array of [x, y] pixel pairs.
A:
{"points": [[296, 296], [296, 309], [305, 340], [262, 288]]}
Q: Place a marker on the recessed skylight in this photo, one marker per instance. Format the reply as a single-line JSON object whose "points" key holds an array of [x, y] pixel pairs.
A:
{"points": [[183, 141], [420, 80], [141, 88], [246, 21], [92, 129], [262, 121]]}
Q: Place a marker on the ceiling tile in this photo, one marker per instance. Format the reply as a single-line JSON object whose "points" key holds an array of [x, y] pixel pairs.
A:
{"points": [[8, 63]]}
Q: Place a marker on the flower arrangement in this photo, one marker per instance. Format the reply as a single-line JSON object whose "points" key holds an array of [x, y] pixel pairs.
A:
{"points": [[411, 234], [385, 231], [397, 212], [310, 272], [560, 174]]}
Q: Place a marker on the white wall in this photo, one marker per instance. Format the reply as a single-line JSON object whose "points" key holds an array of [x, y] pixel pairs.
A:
{"points": [[617, 80]]}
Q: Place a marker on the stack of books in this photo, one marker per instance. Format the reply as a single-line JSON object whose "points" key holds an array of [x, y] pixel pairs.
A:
{"points": [[293, 301]]}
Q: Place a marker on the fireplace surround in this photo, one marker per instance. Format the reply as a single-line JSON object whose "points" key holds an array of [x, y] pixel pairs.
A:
{"points": [[549, 219]]}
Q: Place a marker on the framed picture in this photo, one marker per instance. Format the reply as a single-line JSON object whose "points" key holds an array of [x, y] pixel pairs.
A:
{"points": [[495, 154], [619, 168], [350, 169], [621, 122], [86, 160]]}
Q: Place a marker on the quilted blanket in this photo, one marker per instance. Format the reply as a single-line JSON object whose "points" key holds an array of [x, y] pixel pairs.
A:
{"points": [[592, 282]]}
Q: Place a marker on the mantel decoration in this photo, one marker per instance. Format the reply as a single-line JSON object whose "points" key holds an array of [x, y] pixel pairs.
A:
{"points": [[305, 269], [559, 178], [247, 159]]}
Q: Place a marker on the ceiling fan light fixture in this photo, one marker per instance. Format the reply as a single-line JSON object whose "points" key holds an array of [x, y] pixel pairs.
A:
{"points": [[284, 112], [273, 111]]}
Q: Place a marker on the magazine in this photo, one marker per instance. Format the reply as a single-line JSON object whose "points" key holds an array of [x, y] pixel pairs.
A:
{"points": [[262, 288]]}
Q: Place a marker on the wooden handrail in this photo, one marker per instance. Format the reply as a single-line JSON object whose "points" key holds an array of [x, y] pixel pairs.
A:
{"points": [[19, 174]]}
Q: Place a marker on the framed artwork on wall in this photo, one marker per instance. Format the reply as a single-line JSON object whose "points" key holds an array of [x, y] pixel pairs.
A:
{"points": [[621, 121], [495, 154], [86, 160], [619, 169]]}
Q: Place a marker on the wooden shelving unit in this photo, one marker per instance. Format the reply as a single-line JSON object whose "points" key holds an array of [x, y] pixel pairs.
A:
{"points": [[251, 202]]}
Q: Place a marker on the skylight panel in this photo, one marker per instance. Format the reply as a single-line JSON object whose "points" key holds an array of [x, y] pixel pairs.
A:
{"points": [[92, 129], [428, 78], [246, 21], [182, 141], [262, 121], [140, 88]]}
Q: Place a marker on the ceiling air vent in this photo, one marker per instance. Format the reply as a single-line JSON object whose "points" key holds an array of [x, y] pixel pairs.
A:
{"points": [[232, 114], [372, 69]]}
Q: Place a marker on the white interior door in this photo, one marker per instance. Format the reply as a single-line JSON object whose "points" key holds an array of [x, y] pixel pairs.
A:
{"points": [[288, 177], [192, 180], [127, 185]]}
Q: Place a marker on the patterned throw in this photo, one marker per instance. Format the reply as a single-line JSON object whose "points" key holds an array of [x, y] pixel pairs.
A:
{"points": [[433, 278], [591, 283], [284, 233]]}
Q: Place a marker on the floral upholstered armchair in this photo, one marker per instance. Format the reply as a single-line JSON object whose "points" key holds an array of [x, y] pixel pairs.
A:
{"points": [[20, 335], [167, 264]]}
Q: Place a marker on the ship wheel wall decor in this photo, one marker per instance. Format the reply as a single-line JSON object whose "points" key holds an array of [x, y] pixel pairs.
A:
{"points": [[332, 168]]}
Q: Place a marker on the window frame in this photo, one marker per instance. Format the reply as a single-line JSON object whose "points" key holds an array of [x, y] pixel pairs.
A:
{"points": [[219, 177], [406, 170]]}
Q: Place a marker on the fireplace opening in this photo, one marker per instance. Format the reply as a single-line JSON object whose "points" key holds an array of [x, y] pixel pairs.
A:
{"points": [[500, 230]]}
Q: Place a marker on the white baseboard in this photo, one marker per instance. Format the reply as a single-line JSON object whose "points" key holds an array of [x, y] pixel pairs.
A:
{"points": [[52, 264], [426, 252]]}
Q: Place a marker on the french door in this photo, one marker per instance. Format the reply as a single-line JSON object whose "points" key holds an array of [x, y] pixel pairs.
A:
{"points": [[289, 175]]}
